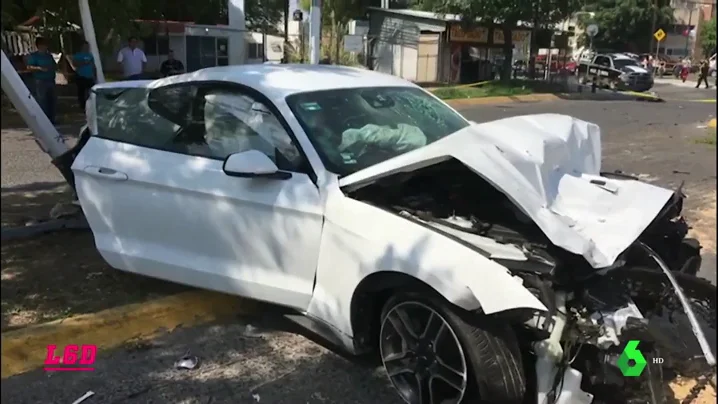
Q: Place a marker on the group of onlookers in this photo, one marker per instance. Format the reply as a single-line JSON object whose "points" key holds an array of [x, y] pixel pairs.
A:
{"points": [[703, 71], [43, 68]]}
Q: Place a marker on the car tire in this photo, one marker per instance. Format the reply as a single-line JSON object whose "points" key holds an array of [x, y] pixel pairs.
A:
{"points": [[484, 354]]}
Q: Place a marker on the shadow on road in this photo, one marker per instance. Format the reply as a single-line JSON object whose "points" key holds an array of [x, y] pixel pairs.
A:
{"points": [[236, 366], [56, 275]]}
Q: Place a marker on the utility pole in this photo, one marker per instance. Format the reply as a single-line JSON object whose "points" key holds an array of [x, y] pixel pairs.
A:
{"points": [[688, 33], [88, 29], [315, 32], [238, 35], [285, 54], [653, 26]]}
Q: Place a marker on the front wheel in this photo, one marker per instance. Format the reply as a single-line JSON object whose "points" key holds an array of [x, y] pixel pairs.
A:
{"points": [[434, 355]]}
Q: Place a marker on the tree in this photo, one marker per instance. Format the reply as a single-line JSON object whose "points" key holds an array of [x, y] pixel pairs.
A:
{"points": [[117, 18], [628, 24], [708, 37], [505, 15], [337, 14]]}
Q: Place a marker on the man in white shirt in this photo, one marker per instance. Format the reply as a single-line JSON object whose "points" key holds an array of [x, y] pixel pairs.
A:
{"points": [[132, 59]]}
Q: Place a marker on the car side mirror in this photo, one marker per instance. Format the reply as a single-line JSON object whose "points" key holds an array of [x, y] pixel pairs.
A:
{"points": [[253, 164]]}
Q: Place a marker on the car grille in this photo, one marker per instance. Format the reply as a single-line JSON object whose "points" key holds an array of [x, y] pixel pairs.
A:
{"points": [[639, 79]]}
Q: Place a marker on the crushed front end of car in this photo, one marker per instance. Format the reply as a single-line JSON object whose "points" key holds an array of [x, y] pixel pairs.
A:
{"points": [[605, 253]]}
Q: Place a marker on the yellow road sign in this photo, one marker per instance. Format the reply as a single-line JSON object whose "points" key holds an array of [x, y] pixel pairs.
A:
{"points": [[659, 35]]}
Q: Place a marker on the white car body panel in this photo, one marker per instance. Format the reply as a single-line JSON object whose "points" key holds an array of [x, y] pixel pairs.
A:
{"points": [[360, 239], [545, 164], [184, 220], [271, 261]]}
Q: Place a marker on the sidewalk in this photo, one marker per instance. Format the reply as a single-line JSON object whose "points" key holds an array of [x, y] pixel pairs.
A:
{"points": [[690, 83]]}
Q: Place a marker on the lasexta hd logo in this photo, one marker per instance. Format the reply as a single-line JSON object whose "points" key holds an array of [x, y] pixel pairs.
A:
{"points": [[632, 362]]}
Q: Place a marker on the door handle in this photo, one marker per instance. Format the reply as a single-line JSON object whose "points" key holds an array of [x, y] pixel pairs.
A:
{"points": [[106, 173]]}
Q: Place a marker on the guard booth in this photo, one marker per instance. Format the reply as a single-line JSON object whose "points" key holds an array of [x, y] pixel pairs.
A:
{"points": [[206, 46]]}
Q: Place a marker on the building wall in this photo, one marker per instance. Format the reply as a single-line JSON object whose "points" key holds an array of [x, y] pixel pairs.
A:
{"points": [[177, 43], [396, 43]]}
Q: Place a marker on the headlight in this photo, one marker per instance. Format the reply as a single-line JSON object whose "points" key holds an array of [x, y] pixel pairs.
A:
{"points": [[623, 77]]}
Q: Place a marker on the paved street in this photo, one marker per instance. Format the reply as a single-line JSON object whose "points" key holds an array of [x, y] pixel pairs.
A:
{"points": [[660, 142]]}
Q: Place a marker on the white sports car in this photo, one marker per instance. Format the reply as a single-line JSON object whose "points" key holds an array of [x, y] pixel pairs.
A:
{"points": [[475, 258]]}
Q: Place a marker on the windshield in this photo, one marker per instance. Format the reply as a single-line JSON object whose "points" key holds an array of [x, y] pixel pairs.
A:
{"points": [[355, 128], [621, 63]]}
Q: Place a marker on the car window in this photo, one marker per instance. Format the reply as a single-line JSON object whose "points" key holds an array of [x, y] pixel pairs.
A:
{"points": [[124, 115], [621, 63], [235, 122], [354, 128], [603, 61], [197, 121]]}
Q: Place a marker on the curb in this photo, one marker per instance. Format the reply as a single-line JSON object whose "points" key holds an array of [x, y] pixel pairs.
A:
{"points": [[25, 349], [503, 99]]}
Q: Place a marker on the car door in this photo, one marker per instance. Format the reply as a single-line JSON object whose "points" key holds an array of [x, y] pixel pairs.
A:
{"points": [[153, 189]]}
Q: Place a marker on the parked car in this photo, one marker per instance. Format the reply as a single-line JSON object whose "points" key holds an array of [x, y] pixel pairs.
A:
{"points": [[459, 251]]}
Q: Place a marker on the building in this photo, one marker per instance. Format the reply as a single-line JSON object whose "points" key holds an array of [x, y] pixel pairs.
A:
{"points": [[426, 47], [199, 46]]}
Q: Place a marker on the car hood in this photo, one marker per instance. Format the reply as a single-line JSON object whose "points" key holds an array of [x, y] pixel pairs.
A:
{"points": [[633, 69], [548, 165]]}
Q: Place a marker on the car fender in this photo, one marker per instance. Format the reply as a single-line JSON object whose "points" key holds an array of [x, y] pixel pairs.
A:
{"points": [[359, 240]]}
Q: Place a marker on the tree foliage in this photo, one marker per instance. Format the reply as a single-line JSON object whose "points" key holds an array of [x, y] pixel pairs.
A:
{"points": [[708, 37], [336, 14], [628, 24], [118, 17]]}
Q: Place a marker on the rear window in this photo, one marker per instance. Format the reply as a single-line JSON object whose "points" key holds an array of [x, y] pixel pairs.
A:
{"points": [[131, 115]]}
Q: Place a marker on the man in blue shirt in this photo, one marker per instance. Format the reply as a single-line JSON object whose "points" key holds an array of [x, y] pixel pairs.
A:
{"points": [[84, 65], [43, 68]]}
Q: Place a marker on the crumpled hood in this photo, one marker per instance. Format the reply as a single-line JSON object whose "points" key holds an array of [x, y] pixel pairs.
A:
{"points": [[548, 165]]}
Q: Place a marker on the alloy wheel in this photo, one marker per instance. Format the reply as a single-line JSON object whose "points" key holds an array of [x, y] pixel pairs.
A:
{"points": [[422, 355]]}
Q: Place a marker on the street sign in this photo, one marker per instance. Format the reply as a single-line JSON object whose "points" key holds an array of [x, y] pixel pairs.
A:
{"points": [[353, 43], [659, 35], [592, 30]]}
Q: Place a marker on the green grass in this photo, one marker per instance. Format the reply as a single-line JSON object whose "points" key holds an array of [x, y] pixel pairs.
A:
{"points": [[495, 89], [709, 139]]}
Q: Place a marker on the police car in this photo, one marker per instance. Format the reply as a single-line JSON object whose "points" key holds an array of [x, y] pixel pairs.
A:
{"points": [[616, 71]]}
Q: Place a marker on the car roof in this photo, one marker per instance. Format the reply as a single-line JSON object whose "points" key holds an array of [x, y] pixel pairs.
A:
{"points": [[277, 81]]}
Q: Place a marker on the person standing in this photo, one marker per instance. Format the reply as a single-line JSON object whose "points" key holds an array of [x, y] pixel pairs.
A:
{"points": [[43, 67], [649, 66], [703, 73], [171, 66], [132, 59], [84, 65]]}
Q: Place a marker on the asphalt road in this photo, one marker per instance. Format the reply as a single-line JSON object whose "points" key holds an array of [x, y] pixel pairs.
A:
{"points": [[658, 142]]}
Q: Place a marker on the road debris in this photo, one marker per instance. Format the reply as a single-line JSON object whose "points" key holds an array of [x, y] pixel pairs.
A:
{"points": [[187, 362], [84, 397]]}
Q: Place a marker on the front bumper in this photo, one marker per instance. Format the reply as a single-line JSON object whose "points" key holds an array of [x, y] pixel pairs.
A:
{"points": [[636, 82]]}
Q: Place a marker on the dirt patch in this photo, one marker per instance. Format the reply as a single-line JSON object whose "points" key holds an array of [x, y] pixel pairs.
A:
{"points": [[682, 387], [703, 221], [61, 274]]}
